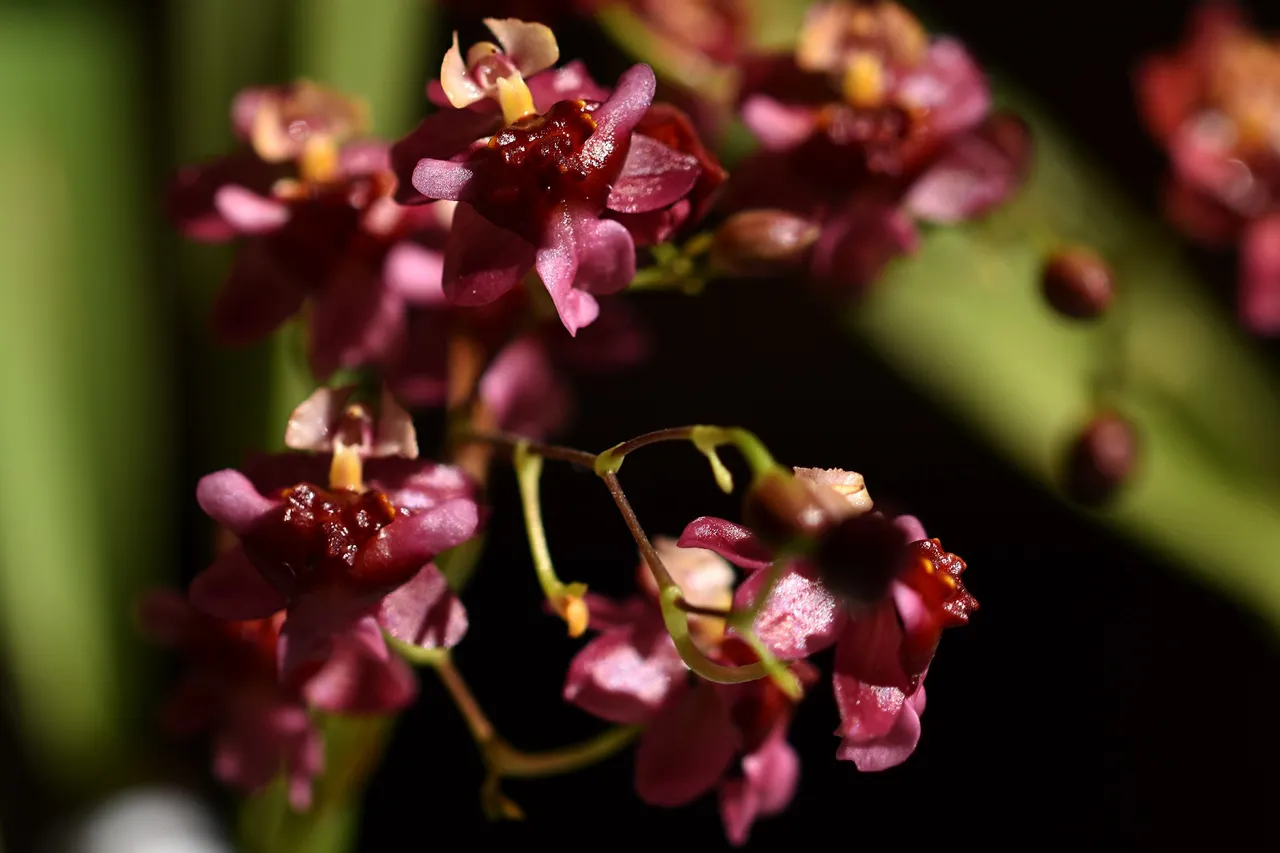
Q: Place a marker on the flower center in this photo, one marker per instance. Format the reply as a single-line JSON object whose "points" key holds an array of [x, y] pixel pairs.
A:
{"points": [[536, 166], [316, 535]]}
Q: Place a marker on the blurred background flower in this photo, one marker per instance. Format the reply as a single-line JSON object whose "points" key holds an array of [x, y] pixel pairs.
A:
{"points": [[1115, 683]]}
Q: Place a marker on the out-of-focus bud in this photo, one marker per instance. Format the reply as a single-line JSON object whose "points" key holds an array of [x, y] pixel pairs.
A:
{"points": [[1078, 283], [763, 242], [1102, 459], [781, 507], [858, 557]]}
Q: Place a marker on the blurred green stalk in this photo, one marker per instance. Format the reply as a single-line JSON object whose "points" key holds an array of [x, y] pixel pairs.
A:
{"points": [[85, 433]]}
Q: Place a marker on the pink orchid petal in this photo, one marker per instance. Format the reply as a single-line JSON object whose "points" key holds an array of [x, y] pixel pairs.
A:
{"points": [[482, 261], [732, 541], [1202, 153], [424, 612], [859, 240], [189, 201], [415, 272], [950, 86], [978, 171], [258, 742], [581, 253], [366, 157], [739, 809], [773, 772], [607, 614], [233, 588], [440, 136], [248, 212], [653, 176], [417, 484], [229, 498], [869, 649], [618, 116], [625, 674], [304, 763], [523, 391], [355, 320], [258, 296], [361, 677], [569, 82], [872, 753], [800, 618], [778, 126], [1260, 277], [686, 748], [912, 529], [416, 539], [445, 180], [768, 784]]}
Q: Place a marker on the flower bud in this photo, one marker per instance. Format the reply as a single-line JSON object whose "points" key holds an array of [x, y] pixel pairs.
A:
{"points": [[1078, 283], [859, 557], [780, 507], [763, 242], [1101, 460]]}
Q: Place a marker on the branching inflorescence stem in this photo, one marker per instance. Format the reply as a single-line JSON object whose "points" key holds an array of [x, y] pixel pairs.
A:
{"points": [[567, 600]]}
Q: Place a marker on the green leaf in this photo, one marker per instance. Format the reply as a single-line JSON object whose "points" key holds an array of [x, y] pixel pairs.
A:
{"points": [[964, 318], [85, 437]]}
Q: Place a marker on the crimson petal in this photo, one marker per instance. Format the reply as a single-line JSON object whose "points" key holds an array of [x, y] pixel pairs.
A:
{"points": [[686, 748], [654, 176], [732, 541], [424, 612], [233, 588], [481, 260]]}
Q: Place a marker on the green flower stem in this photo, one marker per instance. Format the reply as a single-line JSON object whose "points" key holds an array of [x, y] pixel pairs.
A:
{"points": [[566, 599], [527, 458], [505, 761], [704, 438], [676, 618]]}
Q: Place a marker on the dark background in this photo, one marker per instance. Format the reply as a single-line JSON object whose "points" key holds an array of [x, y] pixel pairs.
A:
{"points": [[1097, 696]]}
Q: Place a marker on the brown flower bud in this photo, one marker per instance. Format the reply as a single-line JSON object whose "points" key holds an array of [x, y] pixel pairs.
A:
{"points": [[860, 556], [763, 242], [1078, 283], [780, 507], [1101, 460]]}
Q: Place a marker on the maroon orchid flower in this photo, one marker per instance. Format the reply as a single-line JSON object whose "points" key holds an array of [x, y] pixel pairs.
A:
{"points": [[261, 726], [1215, 105], [333, 555], [314, 214], [875, 588], [525, 387], [869, 127], [698, 736], [534, 180]]}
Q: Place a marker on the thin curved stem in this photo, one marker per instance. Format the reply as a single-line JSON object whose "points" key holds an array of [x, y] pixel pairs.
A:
{"points": [[565, 599], [504, 760]]}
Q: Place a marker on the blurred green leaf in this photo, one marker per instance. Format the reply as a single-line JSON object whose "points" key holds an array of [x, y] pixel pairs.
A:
{"points": [[380, 51], [85, 438], [965, 319]]}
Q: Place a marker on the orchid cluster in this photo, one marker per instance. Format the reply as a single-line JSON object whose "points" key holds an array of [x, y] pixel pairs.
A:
{"points": [[473, 266], [1215, 105]]}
